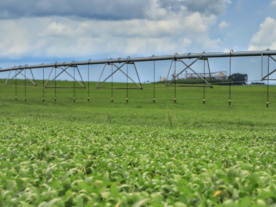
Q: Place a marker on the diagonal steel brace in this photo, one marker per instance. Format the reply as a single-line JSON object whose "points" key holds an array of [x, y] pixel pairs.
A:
{"points": [[197, 74], [118, 68], [128, 77], [48, 77], [20, 72], [101, 76], [81, 77], [8, 77], [264, 78], [63, 70], [55, 77], [182, 70]]}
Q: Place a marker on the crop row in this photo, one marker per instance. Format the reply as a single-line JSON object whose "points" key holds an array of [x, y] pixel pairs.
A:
{"points": [[44, 163]]}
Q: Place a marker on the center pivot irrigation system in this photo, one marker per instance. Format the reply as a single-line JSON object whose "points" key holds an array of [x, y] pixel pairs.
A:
{"points": [[117, 64]]}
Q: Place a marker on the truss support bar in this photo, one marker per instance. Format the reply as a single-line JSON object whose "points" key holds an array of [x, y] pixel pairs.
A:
{"points": [[81, 77], [101, 76], [32, 74], [197, 74], [8, 77], [183, 70], [48, 77], [55, 78], [129, 77], [73, 77], [264, 78], [13, 77], [168, 73], [110, 75], [209, 69], [137, 75], [27, 78], [272, 58]]}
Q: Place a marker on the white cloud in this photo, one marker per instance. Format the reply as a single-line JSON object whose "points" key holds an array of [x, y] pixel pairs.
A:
{"points": [[223, 25], [239, 4], [226, 50], [208, 7], [228, 1], [265, 37], [107, 9], [273, 3], [65, 37]]}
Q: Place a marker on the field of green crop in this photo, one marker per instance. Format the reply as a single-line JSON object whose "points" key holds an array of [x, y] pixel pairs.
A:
{"points": [[100, 153]]}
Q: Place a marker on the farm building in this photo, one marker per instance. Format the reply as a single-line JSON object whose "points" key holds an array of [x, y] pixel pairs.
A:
{"points": [[208, 76], [221, 76], [198, 77]]}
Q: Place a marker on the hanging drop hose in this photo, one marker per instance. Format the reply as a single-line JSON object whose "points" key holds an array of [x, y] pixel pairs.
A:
{"points": [[88, 81], [127, 82], [174, 82], [0, 86], [55, 84], [74, 85], [204, 78], [127, 87], [267, 94], [230, 81], [204, 82], [43, 84], [15, 85], [112, 83], [25, 85], [175, 77], [153, 80]]}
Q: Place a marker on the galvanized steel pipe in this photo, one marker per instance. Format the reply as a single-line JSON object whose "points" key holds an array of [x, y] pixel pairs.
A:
{"points": [[152, 58]]}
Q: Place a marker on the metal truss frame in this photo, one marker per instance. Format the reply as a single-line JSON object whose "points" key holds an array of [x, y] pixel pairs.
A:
{"points": [[64, 70], [267, 76], [119, 69], [186, 68], [20, 72]]}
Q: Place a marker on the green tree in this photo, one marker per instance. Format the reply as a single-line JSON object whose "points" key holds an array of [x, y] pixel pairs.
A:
{"points": [[238, 78]]}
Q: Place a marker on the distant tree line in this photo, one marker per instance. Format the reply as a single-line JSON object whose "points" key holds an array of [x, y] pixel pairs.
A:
{"points": [[235, 78], [238, 78]]}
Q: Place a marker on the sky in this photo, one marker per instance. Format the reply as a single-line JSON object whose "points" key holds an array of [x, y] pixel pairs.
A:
{"points": [[49, 31]]}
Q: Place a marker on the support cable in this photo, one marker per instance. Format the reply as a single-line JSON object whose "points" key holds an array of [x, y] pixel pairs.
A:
{"points": [[230, 77], [153, 80]]}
